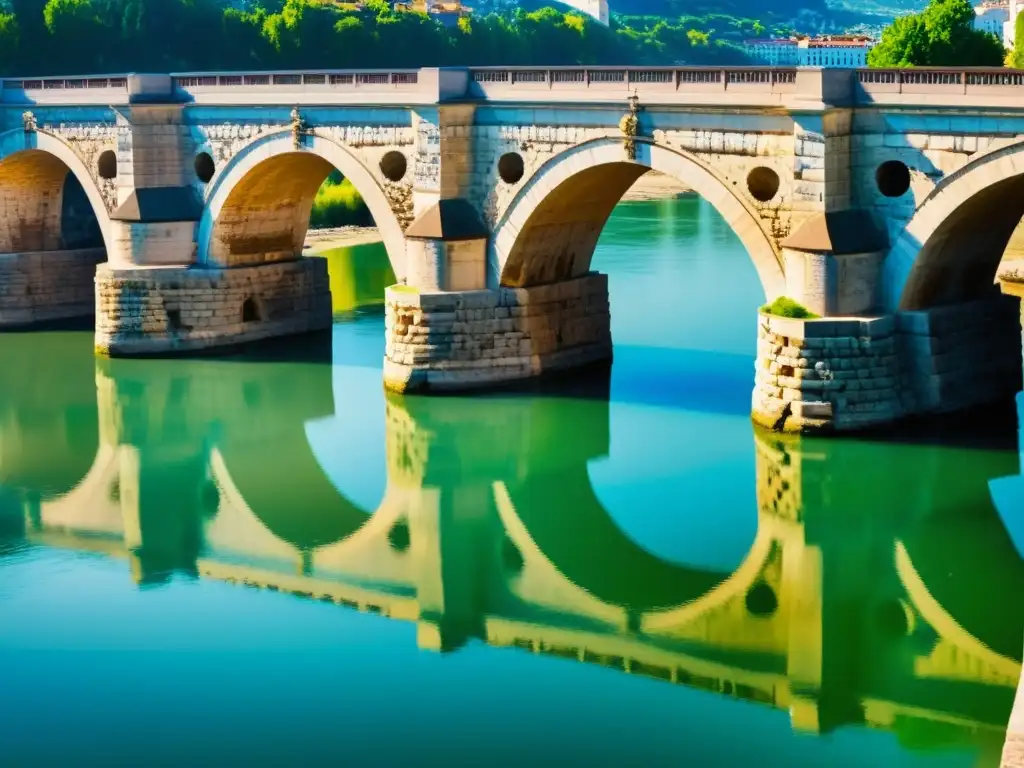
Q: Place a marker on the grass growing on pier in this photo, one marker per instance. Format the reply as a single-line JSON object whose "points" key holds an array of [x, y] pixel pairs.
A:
{"points": [[787, 307]]}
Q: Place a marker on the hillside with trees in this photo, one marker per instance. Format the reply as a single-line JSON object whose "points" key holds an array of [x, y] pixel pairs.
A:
{"points": [[43, 37]]}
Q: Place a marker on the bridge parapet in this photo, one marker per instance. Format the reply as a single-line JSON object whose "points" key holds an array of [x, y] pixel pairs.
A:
{"points": [[734, 86]]}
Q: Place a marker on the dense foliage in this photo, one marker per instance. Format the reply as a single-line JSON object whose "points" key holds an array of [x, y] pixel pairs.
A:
{"points": [[338, 204], [78, 36], [1016, 56], [942, 35]]}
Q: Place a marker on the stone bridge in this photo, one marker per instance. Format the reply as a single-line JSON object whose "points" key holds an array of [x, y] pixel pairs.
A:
{"points": [[841, 610], [885, 198]]}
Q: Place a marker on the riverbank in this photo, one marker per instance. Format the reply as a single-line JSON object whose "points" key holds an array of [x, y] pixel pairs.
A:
{"points": [[320, 240], [650, 186], [655, 186]]}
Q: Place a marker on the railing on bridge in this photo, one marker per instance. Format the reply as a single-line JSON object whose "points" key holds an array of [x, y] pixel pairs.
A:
{"points": [[502, 82], [940, 82], [325, 80], [730, 86]]}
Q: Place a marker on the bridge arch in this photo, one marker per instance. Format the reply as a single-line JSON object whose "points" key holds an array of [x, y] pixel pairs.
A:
{"points": [[950, 250], [34, 166], [549, 231], [276, 181]]}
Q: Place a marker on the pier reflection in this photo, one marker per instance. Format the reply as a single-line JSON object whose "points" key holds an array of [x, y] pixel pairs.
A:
{"points": [[871, 593]]}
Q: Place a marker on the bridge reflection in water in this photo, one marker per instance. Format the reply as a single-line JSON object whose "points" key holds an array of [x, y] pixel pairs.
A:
{"points": [[843, 611]]}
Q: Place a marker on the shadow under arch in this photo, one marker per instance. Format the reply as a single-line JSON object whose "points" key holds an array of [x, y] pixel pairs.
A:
{"points": [[950, 250], [264, 460], [564, 520], [49, 419], [550, 229], [50, 161], [273, 182], [967, 583], [283, 485]]}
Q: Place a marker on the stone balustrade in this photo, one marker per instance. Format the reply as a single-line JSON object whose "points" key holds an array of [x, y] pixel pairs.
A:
{"points": [[659, 85]]}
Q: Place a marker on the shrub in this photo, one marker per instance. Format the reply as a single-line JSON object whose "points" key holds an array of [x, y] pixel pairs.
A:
{"points": [[338, 204], [787, 307]]}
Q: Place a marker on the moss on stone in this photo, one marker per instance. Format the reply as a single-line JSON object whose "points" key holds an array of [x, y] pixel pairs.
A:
{"points": [[787, 307]]}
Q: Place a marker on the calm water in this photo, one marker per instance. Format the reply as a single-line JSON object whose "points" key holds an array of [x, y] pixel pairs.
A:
{"points": [[268, 561]]}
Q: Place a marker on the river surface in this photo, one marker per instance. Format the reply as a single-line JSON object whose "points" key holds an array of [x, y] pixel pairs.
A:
{"points": [[265, 560]]}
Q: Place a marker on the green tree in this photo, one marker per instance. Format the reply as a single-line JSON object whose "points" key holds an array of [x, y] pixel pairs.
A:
{"points": [[942, 35], [10, 40], [1016, 58]]}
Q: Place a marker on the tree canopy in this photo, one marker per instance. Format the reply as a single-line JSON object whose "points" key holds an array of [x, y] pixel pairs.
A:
{"points": [[41, 37], [942, 35]]}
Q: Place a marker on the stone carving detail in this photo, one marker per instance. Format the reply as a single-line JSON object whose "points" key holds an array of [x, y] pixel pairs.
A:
{"points": [[399, 195], [299, 128], [628, 127], [88, 141], [28, 119], [428, 156]]}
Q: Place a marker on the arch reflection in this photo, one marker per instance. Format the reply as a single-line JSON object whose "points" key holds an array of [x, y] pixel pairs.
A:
{"points": [[857, 603]]}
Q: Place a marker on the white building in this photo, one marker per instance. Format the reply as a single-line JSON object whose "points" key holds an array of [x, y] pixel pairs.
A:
{"points": [[775, 53], [595, 9], [833, 51], [1010, 26], [991, 18]]}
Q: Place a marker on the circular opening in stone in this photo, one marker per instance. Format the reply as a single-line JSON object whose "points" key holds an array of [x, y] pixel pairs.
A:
{"points": [[761, 600], [398, 536], [394, 165], [204, 167], [763, 184], [106, 166], [510, 167], [893, 178]]}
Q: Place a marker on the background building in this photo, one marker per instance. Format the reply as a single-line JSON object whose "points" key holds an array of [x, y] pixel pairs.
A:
{"points": [[828, 51], [992, 17]]}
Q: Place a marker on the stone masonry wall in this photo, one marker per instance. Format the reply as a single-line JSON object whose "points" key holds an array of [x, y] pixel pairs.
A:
{"points": [[826, 374], [438, 341], [961, 355], [850, 374], [154, 311], [47, 285]]}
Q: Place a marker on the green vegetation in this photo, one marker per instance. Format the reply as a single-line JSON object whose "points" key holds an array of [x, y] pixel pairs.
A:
{"points": [[43, 37], [338, 204], [942, 35], [1016, 57], [787, 307]]}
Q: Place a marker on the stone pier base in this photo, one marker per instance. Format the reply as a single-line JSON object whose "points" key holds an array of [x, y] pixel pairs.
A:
{"points": [[470, 339], [826, 374], [42, 286], [845, 374], [164, 310]]}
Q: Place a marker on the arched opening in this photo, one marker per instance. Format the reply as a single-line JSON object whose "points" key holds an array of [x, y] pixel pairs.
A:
{"points": [[675, 255], [50, 222], [297, 204], [944, 268]]}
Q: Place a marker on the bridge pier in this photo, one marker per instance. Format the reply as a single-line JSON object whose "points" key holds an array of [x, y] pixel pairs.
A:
{"points": [[466, 339], [856, 366], [42, 286]]}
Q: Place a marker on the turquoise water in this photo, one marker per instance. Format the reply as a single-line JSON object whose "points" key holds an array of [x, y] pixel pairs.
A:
{"points": [[266, 560]]}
